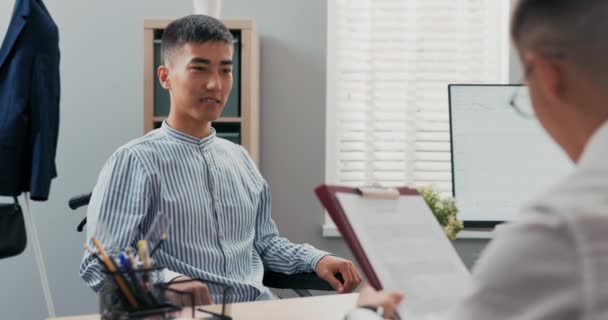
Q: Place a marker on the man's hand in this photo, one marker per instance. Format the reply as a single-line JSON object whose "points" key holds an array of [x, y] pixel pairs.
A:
{"points": [[329, 266], [387, 300], [199, 291]]}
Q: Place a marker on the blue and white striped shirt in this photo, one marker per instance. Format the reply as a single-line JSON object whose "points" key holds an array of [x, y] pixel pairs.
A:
{"points": [[222, 230]]}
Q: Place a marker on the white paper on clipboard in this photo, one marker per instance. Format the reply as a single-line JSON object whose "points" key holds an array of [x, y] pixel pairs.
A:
{"points": [[409, 252]]}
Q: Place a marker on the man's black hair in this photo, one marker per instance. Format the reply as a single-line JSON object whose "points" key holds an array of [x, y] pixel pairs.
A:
{"points": [[193, 29]]}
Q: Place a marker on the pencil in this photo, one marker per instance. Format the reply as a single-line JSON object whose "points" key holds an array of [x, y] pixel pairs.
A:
{"points": [[112, 268]]}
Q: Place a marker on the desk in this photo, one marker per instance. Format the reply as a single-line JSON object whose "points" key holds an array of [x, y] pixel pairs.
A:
{"points": [[332, 307]]}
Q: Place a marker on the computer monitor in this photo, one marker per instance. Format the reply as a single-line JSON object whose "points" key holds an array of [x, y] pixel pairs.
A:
{"points": [[500, 158]]}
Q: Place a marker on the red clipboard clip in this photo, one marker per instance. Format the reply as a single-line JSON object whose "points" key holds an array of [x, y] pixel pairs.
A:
{"points": [[376, 192]]}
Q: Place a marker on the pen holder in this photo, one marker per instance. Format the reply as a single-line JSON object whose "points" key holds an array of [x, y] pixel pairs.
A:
{"points": [[133, 294]]}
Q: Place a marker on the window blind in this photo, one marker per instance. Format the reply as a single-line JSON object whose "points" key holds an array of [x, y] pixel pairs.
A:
{"points": [[389, 65]]}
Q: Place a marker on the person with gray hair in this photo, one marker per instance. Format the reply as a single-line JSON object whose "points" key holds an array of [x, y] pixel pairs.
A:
{"points": [[552, 261]]}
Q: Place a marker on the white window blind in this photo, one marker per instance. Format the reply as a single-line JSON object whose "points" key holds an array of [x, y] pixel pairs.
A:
{"points": [[389, 65]]}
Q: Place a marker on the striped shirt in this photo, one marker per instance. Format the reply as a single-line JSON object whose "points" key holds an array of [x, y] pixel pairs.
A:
{"points": [[221, 231]]}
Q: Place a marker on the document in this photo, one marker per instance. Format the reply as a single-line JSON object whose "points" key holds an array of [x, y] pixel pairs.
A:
{"points": [[409, 252]]}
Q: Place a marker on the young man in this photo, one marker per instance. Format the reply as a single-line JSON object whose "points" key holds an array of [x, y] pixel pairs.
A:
{"points": [[219, 203], [552, 262]]}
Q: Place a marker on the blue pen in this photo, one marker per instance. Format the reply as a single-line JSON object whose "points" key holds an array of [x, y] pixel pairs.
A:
{"points": [[125, 262]]}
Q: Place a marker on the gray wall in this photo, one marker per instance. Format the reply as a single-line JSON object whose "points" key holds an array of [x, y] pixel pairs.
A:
{"points": [[101, 109]]}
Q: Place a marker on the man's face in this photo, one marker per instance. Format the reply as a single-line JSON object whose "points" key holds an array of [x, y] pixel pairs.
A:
{"points": [[199, 79]]}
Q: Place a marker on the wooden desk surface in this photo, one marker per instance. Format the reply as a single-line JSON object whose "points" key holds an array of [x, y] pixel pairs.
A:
{"points": [[332, 307]]}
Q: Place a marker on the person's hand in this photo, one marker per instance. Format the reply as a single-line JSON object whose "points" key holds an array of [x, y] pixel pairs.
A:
{"points": [[199, 291], [387, 300], [329, 266]]}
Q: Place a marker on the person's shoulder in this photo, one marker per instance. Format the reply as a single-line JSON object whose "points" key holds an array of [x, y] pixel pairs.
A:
{"points": [[545, 247], [236, 150], [143, 145], [580, 201], [554, 227], [550, 244], [144, 141], [578, 197], [228, 145], [524, 253], [566, 212], [138, 149]]}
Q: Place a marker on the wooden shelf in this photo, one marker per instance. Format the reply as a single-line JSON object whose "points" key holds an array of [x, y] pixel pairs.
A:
{"points": [[228, 120]]}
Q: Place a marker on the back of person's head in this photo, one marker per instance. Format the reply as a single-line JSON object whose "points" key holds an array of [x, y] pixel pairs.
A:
{"points": [[563, 48], [571, 29], [192, 29]]}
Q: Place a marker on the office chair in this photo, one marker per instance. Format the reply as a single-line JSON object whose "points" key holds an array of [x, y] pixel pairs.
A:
{"points": [[300, 283]]}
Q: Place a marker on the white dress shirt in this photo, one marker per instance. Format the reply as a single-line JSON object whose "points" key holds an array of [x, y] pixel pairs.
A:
{"points": [[552, 261]]}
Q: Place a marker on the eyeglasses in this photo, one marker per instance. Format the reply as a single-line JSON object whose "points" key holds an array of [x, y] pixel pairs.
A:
{"points": [[520, 102]]}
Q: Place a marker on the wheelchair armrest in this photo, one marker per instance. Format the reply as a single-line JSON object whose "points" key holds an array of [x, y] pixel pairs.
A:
{"points": [[306, 281], [79, 201]]}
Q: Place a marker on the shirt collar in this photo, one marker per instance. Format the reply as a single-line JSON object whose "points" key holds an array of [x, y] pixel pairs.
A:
{"points": [[186, 138], [596, 150]]}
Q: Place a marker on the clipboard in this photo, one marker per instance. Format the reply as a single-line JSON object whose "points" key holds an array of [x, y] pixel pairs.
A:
{"points": [[329, 200]]}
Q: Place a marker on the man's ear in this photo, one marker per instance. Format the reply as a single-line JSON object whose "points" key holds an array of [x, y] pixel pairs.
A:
{"points": [[163, 77], [549, 75]]}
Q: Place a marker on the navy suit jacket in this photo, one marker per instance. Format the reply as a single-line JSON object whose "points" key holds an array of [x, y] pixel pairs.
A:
{"points": [[29, 101]]}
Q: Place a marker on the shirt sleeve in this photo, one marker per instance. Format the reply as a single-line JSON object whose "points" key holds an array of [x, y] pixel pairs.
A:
{"points": [[529, 271], [120, 201], [169, 275], [278, 253]]}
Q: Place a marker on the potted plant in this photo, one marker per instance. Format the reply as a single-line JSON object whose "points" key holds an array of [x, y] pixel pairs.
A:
{"points": [[445, 211]]}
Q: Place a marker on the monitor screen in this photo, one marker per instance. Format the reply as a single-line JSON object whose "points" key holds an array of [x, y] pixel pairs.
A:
{"points": [[501, 157]]}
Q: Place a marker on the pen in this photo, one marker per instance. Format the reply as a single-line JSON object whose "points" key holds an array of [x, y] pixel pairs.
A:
{"points": [[142, 246], [132, 257], [125, 264], [142, 250]]}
